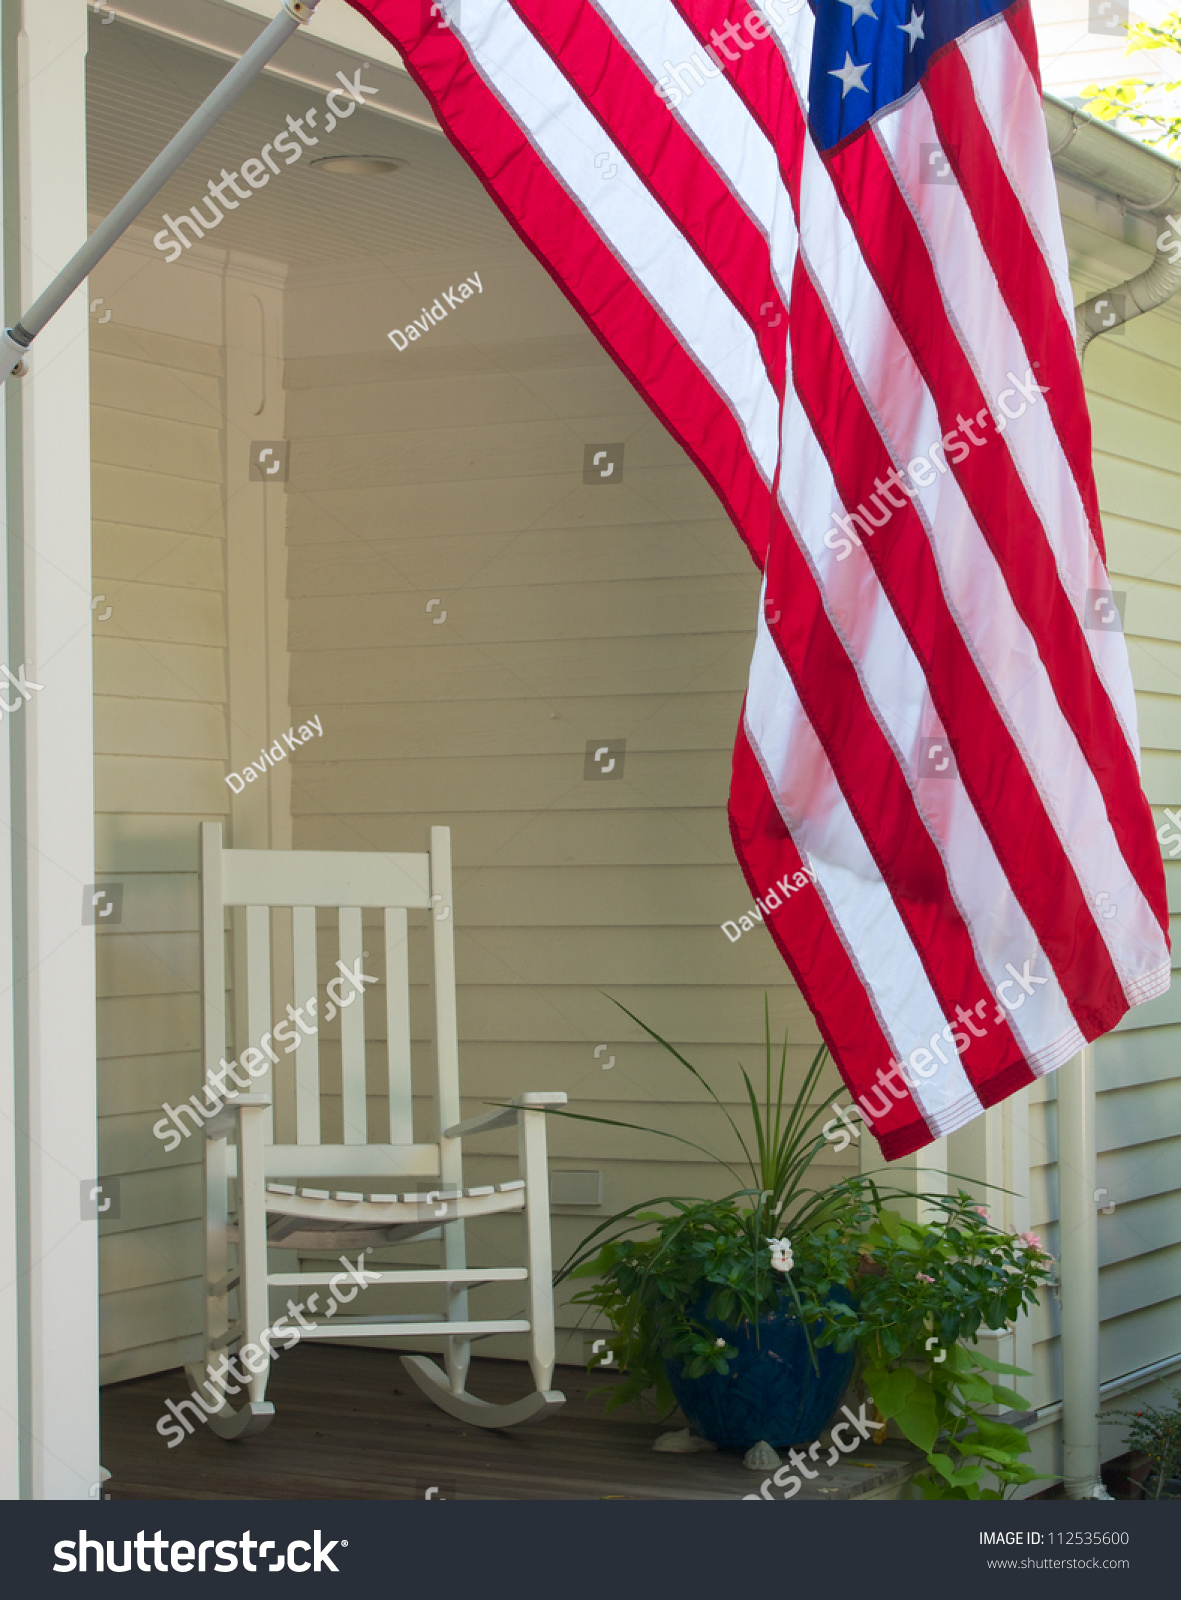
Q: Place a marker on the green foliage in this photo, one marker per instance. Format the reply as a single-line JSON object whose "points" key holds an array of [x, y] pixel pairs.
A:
{"points": [[1129, 99], [903, 1296], [922, 1295], [1157, 1432]]}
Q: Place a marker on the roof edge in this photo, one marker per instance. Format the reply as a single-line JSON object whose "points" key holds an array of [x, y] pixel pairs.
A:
{"points": [[1086, 150]]}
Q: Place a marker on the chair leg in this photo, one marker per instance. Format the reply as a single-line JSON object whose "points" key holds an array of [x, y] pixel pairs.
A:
{"points": [[252, 1247], [256, 1412], [457, 1358], [539, 1254]]}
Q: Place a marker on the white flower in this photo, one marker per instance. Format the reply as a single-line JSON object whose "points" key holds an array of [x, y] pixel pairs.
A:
{"points": [[781, 1256], [721, 1343]]}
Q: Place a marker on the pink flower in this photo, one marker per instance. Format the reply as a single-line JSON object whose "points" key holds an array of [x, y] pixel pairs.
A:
{"points": [[923, 1278], [981, 1211], [1030, 1241]]}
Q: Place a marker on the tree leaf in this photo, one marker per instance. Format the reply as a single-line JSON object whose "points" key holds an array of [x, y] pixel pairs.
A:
{"points": [[990, 1365], [975, 1389], [890, 1390]]}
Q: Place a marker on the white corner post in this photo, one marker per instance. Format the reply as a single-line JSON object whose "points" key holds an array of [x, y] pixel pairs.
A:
{"points": [[1078, 1255], [50, 1315]]}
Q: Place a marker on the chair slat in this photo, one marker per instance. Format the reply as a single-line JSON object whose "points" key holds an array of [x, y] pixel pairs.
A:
{"points": [[324, 878], [307, 1057], [258, 999], [397, 1011], [352, 1031], [367, 1163]]}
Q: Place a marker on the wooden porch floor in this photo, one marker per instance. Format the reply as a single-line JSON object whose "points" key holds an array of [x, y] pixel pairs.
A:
{"points": [[350, 1425]]}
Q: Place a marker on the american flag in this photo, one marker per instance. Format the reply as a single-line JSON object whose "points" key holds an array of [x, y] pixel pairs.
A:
{"points": [[830, 258]]}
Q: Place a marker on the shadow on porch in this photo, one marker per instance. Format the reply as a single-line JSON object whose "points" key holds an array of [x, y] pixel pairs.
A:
{"points": [[350, 1425]]}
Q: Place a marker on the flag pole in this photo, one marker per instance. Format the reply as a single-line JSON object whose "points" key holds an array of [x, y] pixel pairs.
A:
{"points": [[15, 341]]}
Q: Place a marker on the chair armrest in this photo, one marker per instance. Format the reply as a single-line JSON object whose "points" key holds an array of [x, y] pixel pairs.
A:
{"points": [[223, 1123], [506, 1116]]}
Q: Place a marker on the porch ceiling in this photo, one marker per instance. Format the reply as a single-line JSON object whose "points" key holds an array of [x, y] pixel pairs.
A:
{"points": [[140, 88]]}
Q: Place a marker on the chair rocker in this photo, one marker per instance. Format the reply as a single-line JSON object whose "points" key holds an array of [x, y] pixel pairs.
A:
{"points": [[256, 1198]]}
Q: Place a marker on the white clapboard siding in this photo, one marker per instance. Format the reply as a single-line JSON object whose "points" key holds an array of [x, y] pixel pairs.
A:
{"points": [[160, 760]]}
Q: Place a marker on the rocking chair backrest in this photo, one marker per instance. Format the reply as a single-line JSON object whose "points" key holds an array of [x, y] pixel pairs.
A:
{"points": [[258, 881]]}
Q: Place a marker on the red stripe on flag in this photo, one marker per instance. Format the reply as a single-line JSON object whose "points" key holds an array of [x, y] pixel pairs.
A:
{"points": [[996, 495], [682, 180], [990, 766], [818, 960], [558, 232], [763, 82], [1021, 270]]}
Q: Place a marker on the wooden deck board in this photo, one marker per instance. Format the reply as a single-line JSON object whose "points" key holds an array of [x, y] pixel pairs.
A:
{"points": [[350, 1425]]}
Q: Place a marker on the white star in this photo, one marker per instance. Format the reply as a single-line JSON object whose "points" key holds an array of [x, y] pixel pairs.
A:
{"points": [[914, 28], [861, 8], [850, 76]]}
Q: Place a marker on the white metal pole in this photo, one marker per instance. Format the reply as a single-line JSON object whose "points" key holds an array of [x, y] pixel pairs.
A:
{"points": [[15, 341], [1079, 1277]]}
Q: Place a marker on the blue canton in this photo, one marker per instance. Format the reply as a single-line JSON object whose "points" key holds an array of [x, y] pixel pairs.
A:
{"points": [[868, 53]]}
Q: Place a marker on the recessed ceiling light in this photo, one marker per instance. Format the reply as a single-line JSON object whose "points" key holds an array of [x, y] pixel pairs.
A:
{"points": [[357, 166]]}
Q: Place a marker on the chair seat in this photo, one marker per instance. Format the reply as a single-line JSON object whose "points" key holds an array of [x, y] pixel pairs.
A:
{"points": [[387, 1209], [308, 1219]]}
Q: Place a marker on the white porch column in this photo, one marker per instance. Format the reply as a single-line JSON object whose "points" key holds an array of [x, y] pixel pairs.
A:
{"points": [[1078, 1254], [49, 1326], [924, 1172]]}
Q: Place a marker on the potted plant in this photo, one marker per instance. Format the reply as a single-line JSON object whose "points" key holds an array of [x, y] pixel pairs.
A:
{"points": [[706, 1312], [753, 1312]]}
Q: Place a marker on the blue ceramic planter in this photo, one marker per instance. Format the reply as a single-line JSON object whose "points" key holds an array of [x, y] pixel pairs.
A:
{"points": [[772, 1391]]}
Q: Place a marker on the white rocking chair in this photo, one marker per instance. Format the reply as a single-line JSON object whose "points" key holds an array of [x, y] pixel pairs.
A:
{"points": [[273, 1211]]}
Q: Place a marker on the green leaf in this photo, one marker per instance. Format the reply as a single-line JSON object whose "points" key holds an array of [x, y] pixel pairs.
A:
{"points": [[942, 1465], [890, 1389], [990, 1365], [972, 1447], [918, 1417], [975, 1389], [1009, 1397], [958, 1478], [902, 1395], [891, 1223], [1001, 1436]]}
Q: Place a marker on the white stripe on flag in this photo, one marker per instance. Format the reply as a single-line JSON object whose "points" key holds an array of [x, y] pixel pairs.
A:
{"points": [[631, 222], [1011, 107]]}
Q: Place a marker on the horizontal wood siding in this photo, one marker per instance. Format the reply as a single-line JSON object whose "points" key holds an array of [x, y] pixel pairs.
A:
{"points": [[160, 758]]}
